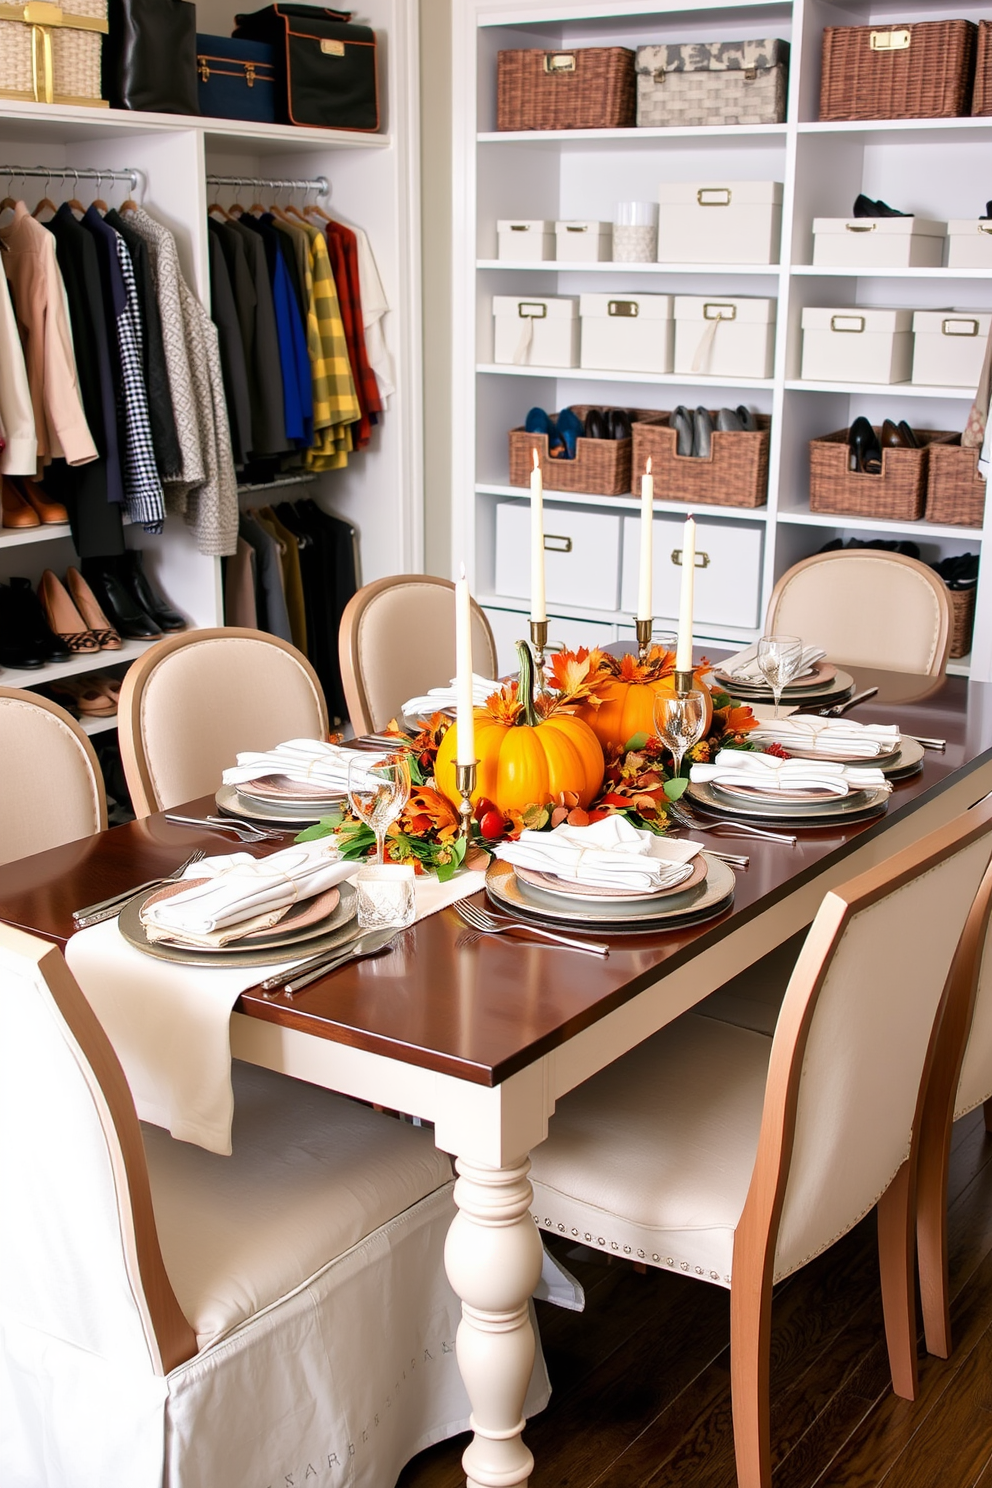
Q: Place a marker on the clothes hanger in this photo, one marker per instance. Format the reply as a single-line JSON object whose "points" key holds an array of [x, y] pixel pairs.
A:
{"points": [[216, 207], [9, 201], [46, 203], [129, 204], [74, 204], [292, 213], [98, 201]]}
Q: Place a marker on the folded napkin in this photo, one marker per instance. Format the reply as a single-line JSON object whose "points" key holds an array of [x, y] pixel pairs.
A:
{"points": [[241, 888], [439, 698], [765, 772], [743, 665], [608, 854], [829, 736], [309, 761]]}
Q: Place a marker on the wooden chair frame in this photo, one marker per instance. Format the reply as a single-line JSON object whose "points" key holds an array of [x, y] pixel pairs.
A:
{"points": [[129, 709], [355, 691], [22, 694]]}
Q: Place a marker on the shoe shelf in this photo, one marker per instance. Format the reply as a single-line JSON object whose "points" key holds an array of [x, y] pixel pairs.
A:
{"points": [[630, 505], [76, 665], [764, 271], [938, 276], [661, 379], [612, 139], [883, 390], [15, 537], [921, 530], [98, 725]]}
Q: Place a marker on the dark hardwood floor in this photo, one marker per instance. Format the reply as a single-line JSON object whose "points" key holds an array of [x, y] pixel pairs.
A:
{"points": [[641, 1379]]}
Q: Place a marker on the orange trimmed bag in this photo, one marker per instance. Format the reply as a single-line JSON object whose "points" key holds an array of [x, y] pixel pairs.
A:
{"points": [[325, 67]]}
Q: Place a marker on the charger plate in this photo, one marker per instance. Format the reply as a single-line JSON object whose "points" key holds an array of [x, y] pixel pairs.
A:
{"points": [[857, 807], [281, 792], [834, 691], [333, 930], [568, 889], [818, 676], [690, 907], [757, 796], [229, 803], [899, 765]]}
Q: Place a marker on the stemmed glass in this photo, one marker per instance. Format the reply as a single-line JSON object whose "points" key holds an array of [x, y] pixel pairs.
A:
{"points": [[780, 659], [679, 720], [377, 792]]}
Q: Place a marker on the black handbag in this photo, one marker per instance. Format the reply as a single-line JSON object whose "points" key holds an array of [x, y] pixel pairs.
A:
{"points": [[325, 67], [149, 56]]}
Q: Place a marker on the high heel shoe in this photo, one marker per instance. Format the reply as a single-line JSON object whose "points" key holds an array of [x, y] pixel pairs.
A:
{"points": [[63, 617], [866, 454], [86, 603]]}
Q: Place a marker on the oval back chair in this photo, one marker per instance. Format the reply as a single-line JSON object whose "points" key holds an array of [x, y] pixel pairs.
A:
{"points": [[52, 785]]}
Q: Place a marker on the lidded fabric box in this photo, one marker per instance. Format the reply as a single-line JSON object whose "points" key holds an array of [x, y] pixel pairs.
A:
{"points": [[712, 82], [53, 53], [523, 240], [731, 336], [581, 554], [719, 221], [628, 333], [969, 243], [727, 587], [537, 331], [236, 79], [878, 242], [584, 242], [862, 344], [949, 346]]}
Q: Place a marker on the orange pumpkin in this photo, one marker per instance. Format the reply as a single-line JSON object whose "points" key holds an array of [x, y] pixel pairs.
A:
{"points": [[627, 702], [523, 759]]}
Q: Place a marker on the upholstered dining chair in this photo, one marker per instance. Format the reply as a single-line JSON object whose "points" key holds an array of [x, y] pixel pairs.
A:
{"points": [[192, 701], [868, 608], [52, 786], [397, 640], [718, 1153], [177, 1319]]}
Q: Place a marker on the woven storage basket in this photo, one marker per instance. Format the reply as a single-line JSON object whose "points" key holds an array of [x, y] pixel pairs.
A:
{"points": [[712, 82], [923, 71], [955, 490], [962, 620], [602, 467], [981, 97], [897, 495], [590, 88], [735, 473], [50, 61]]}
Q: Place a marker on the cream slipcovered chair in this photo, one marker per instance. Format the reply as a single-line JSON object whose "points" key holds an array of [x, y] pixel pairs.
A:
{"points": [[719, 1153], [867, 608], [397, 640], [175, 1319], [194, 700], [52, 786]]}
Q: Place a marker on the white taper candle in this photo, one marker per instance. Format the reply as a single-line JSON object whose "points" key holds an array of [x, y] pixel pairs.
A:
{"points": [[683, 655], [538, 603], [465, 707], [645, 588]]}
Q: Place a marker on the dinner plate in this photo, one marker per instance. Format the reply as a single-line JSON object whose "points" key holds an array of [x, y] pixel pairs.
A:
{"points": [[858, 806], [280, 790], [229, 803], [568, 889], [337, 928], [900, 763], [820, 675], [833, 691], [776, 798], [708, 898], [300, 921]]}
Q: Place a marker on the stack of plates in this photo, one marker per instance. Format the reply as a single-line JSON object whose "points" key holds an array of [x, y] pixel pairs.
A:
{"points": [[706, 890], [279, 800], [904, 761], [824, 684], [812, 808]]}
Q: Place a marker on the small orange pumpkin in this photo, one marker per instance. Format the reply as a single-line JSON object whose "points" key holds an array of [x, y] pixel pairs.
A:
{"points": [[523, 759], [626, 703]]}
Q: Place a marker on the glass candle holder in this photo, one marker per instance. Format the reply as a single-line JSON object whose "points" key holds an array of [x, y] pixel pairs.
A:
{"points": [[385, 896], [635, 232]]}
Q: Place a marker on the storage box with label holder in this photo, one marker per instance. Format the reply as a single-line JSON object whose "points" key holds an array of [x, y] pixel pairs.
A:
{"points": [[949, 346], [581, 554], [969, 243], [719, 222], [627, 333], [585, 88], [712, 82], [728, 570], [236, 79], [727, 336], [884, 71], [861, 344], [523, 240], [536, 332], [878, 242], [584, 242]]}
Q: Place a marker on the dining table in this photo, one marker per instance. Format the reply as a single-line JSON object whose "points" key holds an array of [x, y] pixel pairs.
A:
{"points": [[481, 1035]]}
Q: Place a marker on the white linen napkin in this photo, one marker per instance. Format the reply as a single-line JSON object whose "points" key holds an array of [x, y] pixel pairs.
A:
{"points": [[765, 772], [743, 665], [170, 1024], [309, 761], [829, 736], [436, 699], [608, 854]]}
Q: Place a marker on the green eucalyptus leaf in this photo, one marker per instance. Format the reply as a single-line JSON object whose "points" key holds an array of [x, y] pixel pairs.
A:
{"points": [[675, 788], [638, 741], [326, 827]]}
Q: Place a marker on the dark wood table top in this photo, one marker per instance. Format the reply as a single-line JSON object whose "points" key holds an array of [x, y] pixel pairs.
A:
{"points": [[482, 1011]]}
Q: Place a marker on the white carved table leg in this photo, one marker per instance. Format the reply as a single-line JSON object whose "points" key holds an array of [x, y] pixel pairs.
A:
{"points": [[493, 1259]]}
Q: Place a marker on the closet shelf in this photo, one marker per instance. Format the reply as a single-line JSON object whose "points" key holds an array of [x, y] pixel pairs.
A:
{"points": [[883, 389], [821, 271], [663, 379], [89, 662], [15, 537], [766, 271], [98, 725], [580, 139], [630, 503], [934, 127], [923, 530]]}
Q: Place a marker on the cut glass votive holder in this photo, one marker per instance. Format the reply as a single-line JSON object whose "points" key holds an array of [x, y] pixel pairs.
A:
{"points": [[386, 896]]}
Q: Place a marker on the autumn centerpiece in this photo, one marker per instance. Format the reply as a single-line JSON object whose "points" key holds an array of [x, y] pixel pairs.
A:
{"points": [[620, 690]]}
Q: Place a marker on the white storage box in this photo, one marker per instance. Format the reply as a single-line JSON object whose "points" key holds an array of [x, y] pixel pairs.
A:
{"points": [[729, 336], [581, 554], [628, 333], [719, 221], [728, 570], [949, 346], [523, 241], [969, 243], [857, 345], [584, 242], [878, 242], [536, 332]]}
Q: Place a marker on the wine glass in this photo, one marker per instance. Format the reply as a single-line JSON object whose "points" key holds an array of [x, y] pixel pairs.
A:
{"points": [[378, 791], [780, 659], [679, 720]]}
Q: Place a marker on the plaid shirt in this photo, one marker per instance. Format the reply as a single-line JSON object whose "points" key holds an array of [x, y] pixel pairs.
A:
{"points": [[343, 248], [335, 400], [143, 495]]}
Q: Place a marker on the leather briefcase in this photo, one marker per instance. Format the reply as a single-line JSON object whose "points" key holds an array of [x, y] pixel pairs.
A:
{"points": [[149, 58], [325, 67], [237, 79]]}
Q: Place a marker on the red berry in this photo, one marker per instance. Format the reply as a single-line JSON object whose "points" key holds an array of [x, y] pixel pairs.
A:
{"points": [[491, 823]]}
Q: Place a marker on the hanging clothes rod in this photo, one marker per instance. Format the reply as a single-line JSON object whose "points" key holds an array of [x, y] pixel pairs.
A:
{"points": [[69, 173], [276, 485], [317, 184]]}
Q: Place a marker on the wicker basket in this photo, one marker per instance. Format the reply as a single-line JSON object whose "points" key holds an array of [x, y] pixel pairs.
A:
{"points": [[981, 98], [590, 88], [897, 495], [712, 82], [735, 473], [602, 467], [56, 59], [962, 620], [955, 490], [922, 71]]}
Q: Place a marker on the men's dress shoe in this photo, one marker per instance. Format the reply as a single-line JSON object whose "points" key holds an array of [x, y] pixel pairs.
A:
{"points": [[866, 455], [127, 617], [728, 422], [595, 424], [147, 596], [570, 428], [908, 435], [33, 622], [52, 513], [16, 511], [748, 421], [865, 207], [702, 429], [681, 421], [618, 424], [897, 436]]}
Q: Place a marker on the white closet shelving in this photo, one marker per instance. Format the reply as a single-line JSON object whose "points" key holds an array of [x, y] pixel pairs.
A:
{"points": [[936, 168], [374, 183]]}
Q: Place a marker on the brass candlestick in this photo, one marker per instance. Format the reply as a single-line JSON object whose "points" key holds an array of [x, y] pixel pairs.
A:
{"points": [[539, 641], [465, 776], [684, 681], [644, 629]]}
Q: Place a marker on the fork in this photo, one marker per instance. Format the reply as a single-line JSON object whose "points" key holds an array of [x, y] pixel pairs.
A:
{"points": [[480, 919], [688, 818], [244, 831], [92, 914]]}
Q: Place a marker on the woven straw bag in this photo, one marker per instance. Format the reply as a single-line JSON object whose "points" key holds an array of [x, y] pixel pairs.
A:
{"points": [[712, 82], [52, 53]]}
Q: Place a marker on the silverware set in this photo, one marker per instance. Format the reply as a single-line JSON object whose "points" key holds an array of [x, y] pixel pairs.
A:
{"points": [[686, 817], [106, 909], [245, 831], [485, 923], [356, 947]]}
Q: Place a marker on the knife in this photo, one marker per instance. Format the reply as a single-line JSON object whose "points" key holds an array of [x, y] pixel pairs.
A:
{"points": [[367, 943]]}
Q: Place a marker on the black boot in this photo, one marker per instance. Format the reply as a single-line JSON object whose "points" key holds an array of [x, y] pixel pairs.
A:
{"points": [[145, 595], [33, 623], [127, 617], [18, 649]]}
